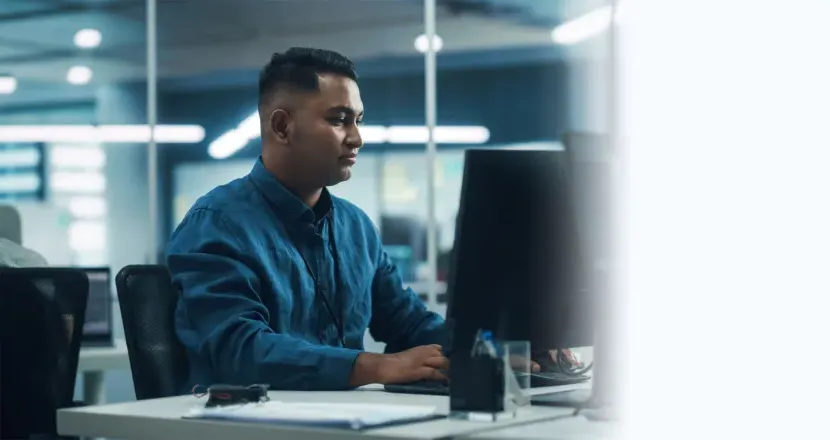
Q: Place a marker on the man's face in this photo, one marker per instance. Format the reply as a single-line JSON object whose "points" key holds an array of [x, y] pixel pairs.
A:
{"points": [[325, 139]]}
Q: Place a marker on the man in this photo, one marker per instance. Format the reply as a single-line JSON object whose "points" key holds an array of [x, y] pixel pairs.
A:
{"points": [[12, 254], [280, 279], [15, 255]]}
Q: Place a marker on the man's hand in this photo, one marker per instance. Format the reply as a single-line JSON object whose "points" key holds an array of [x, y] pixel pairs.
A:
{"points": [[420, 363], [569, 357]]}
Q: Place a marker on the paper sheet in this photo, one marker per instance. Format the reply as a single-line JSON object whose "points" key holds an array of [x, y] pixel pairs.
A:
{"points": [[343, 415]]}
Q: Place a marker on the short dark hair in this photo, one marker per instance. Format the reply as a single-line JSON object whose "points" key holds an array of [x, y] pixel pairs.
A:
{"points": [[299, 67]]}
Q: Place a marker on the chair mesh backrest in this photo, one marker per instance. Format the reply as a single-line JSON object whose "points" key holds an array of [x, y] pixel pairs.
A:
{"points": [[148, 302], [42, 312]]}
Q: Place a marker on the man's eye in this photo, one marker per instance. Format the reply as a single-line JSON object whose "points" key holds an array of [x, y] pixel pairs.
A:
{"points": [[360, 122], [337, 121]]}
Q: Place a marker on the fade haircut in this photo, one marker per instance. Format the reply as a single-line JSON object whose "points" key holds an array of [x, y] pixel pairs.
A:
{"points": [[298, 69]]}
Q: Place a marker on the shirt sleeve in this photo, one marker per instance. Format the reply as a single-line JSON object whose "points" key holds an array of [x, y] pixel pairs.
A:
{"points": [[222, 319], [399, 317]]}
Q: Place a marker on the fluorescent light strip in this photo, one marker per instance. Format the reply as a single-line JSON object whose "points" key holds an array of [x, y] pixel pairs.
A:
{"points": [[85, 182], [443, 135], [19, 158], [19, 182], [8, 84], [232, 141], [128, 134], [373, 134], [85, 207], [65, 156], [583, 27]]}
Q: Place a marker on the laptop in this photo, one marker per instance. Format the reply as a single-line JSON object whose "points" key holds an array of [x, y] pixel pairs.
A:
{"points": [[98, 320]]}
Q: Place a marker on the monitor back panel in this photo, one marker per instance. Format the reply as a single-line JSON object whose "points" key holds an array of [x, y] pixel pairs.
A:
{"points": [[98, 323]]}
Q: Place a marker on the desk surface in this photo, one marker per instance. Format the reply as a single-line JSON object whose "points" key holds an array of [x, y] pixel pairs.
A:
{"points": [[564, 427], [161, 419]]}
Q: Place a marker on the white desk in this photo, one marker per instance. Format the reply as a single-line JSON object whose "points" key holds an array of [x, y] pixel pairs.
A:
{"points": [[160, 419], [565, 427], [94, 361]]}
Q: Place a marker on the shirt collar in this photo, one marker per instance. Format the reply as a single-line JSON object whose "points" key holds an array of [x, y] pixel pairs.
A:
{"points": [[286, 203]]}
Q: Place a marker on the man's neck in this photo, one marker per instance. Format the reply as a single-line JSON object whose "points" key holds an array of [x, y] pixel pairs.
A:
{"points": [[310, 198], [308, 195]]}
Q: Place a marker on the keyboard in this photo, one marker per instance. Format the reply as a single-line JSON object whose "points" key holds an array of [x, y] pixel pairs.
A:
{"points": [[552, 379], [430, 387], [537, 380]]}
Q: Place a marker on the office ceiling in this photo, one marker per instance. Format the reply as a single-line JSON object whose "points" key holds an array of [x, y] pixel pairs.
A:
{"points": [[196, 37]]}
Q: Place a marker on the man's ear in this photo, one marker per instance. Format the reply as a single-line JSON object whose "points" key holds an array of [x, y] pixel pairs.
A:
{"points": [[281, 125]]}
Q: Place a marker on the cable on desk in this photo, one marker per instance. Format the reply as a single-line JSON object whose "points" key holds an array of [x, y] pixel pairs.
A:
{"points": [[197, 394]]}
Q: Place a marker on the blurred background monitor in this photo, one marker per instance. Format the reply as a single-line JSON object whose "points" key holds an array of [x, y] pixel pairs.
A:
{"points": [[405, 241]]}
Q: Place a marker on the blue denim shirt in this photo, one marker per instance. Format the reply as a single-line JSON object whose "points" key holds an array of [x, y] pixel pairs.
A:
{"points": [[245, 258]]}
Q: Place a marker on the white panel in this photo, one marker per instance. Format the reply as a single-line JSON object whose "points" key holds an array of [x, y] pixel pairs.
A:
{"points": [[45, 230], [85, 236]]}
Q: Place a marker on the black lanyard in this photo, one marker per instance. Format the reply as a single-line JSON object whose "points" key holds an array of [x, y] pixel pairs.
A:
{"points": [[317, 286]]}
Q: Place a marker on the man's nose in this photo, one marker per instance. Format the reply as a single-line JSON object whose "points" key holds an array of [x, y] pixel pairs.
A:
{"points": [[354, 139]]}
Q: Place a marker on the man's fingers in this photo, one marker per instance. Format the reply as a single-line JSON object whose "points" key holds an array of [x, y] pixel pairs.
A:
{"points": [[437, 362], [534, 367], [569, 356], [433, 374]]}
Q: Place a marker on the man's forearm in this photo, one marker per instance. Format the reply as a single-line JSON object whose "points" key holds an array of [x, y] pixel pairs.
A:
{"points": [[284, 362], [368, 368]]}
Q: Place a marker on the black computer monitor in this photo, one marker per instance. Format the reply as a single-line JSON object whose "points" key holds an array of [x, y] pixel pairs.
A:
{"points": [[517, 268], [98, 318]]}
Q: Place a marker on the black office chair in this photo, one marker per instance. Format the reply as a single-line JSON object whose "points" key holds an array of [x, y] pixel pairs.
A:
{"points": [[42, 316], [157, 359]]}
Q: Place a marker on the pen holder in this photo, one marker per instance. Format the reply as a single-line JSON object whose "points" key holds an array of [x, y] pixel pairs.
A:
{"points": [[490, 387]]}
